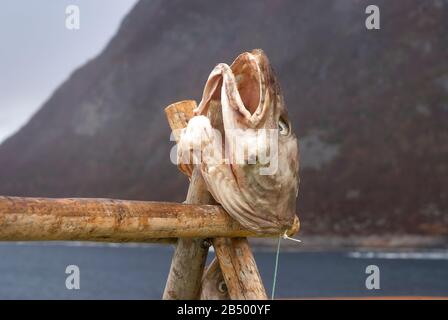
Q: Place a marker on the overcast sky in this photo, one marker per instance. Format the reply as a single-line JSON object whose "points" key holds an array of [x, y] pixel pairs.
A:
{"points": [[38, 52]]}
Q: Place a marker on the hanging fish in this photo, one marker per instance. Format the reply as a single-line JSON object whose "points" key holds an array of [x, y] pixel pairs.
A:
{"points": [[244, 144]]}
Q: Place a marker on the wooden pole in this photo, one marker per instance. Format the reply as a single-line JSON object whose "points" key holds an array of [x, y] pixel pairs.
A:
{"points": [[187, 265], [35, 219], [239, 269]]}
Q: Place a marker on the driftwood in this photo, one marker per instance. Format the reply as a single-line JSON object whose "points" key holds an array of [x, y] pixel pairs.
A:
{"points": [[34, 219]]}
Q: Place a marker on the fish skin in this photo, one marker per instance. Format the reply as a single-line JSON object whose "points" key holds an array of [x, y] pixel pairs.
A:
{"points": [[238, 102]]}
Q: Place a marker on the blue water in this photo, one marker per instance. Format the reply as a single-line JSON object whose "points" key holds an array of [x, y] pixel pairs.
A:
{"points": [[37, 271]]}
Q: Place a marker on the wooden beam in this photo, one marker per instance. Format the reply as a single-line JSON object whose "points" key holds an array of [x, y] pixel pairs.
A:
{"points": [[35, 219], [239, 269], [187, 265]]}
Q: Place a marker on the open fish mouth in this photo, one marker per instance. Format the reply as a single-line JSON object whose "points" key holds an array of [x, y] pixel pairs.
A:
{"points": [[249, 81], [240, 86]]}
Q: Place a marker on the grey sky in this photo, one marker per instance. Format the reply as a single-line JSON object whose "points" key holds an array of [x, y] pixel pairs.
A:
{"points": [[37, 52]]}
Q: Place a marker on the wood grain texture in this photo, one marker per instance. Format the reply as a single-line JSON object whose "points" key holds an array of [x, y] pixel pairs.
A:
{"points": [[178, 115], [239, 269], [187, 265], [39, 219]]}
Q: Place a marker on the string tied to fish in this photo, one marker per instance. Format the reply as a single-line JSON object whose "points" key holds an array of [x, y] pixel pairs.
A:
{"points": [[280, 237]]}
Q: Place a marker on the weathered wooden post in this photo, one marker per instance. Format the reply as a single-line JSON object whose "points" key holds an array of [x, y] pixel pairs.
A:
{"points": [[187, 266]]}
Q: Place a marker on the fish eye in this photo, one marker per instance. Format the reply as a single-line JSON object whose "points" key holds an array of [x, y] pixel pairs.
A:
{"points": [[283, 127]]}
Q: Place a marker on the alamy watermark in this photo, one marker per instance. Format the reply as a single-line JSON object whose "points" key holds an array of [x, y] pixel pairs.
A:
{"points": [[373, 20], [72, 17], [73, 281], [373, 280], [238, 147]]}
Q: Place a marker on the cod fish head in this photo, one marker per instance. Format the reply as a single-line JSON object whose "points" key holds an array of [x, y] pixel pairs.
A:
{"points": [[253, 171]]}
